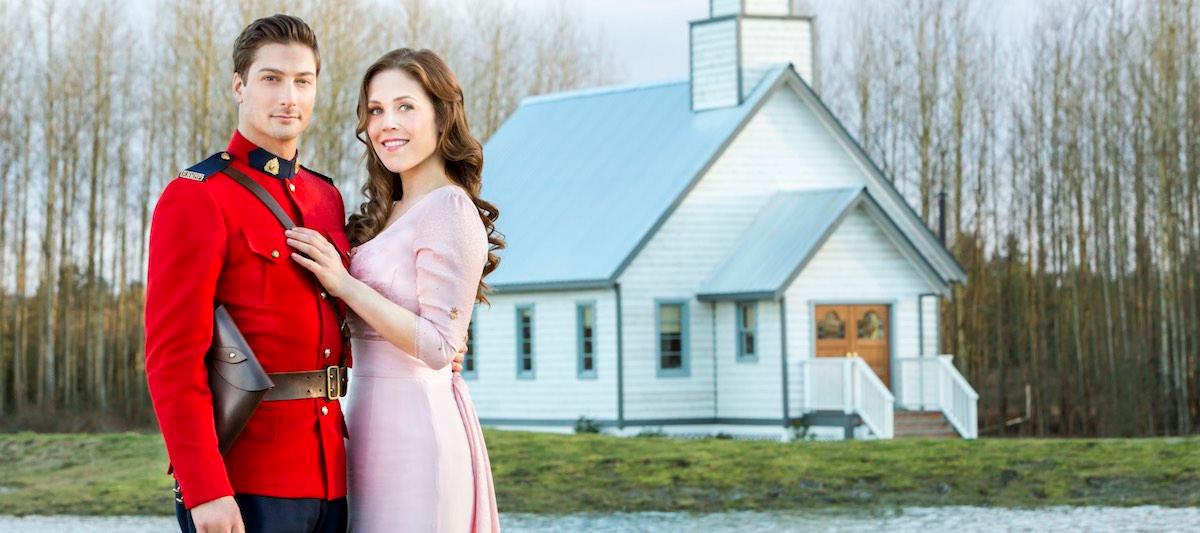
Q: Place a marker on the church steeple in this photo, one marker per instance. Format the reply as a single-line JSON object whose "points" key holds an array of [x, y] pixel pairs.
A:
{"points": [[740, 41]]}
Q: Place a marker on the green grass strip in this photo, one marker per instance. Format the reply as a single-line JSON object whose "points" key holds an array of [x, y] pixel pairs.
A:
{"points": [[123, 474]]}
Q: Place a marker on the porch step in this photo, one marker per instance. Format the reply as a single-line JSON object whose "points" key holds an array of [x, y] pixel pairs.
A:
{"points": [[923, 424]]}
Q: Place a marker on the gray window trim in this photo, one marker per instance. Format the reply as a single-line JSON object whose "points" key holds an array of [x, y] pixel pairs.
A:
{"points": [[532, 372], [685, 342], [580, 306], [740, 329]]}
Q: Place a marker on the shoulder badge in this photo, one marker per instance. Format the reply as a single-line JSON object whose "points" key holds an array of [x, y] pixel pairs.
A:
{"points": [[319, 175], [202, 170]]}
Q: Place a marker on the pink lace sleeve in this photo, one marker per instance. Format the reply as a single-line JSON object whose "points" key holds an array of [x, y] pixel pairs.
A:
{"points": [[451, 250]]}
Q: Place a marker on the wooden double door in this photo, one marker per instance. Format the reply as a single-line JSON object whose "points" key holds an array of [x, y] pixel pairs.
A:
{"points": [[862, 330]]}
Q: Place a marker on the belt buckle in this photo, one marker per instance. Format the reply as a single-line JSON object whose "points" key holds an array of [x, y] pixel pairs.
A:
{"points": [[333, 383]]}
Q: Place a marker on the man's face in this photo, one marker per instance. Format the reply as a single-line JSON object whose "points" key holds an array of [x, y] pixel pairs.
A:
{"points": [[276, 98]]}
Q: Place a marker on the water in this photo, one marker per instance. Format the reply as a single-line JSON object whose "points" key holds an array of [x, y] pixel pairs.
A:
{"points": [[913, 519]]}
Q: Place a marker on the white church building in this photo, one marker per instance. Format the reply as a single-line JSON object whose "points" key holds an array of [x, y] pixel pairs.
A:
{"points": [[716, 254]]}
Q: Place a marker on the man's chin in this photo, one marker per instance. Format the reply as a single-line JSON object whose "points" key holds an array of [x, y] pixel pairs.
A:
{"points": [[285, 134]]}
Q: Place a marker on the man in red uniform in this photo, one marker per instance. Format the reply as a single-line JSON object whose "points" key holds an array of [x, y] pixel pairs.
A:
{"points": [[213, 242]]}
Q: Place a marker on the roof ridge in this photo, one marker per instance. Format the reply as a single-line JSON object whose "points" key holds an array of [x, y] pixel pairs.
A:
{"points": [[818, 190]]}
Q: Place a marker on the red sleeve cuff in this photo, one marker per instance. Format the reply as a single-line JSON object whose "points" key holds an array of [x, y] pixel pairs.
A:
{"points": [[206, 490]]}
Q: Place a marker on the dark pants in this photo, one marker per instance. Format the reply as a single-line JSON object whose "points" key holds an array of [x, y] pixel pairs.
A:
{"points": [[264, 514]]}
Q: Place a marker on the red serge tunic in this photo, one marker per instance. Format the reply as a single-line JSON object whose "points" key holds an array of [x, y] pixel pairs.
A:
{"points": [[212, 242]]}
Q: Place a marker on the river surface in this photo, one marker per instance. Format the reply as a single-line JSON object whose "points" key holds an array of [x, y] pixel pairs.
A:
{"points": [[912, 519]]}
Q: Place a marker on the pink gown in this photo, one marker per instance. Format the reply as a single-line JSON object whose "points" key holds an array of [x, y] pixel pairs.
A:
{"points": [[416, 456]]}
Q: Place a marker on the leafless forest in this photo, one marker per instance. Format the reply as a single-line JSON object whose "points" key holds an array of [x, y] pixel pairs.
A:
{"points": [[1069, 159], [104, 102], [1067, 155]]}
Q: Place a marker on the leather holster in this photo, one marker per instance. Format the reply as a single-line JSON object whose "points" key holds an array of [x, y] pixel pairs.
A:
{"points": [[237, 380]]}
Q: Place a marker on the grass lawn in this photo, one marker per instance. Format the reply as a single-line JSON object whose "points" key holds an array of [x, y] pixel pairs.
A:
{"points": [[110, 474]]}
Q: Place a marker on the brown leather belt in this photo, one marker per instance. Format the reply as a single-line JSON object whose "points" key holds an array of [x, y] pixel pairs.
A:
{"points": [[329, 383]]}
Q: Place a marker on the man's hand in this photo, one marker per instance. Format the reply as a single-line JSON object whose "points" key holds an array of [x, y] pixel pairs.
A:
{"points": [[218, 516], [456, 364]]}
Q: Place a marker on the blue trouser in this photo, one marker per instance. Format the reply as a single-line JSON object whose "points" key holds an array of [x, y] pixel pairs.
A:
{"points": [[264, 514]]}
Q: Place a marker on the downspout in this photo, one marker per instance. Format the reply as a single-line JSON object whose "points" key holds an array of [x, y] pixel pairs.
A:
{"points": [[783, 356], [620, 363], [713, 345]]}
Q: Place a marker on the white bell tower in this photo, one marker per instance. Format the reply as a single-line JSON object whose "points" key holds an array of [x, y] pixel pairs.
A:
{"points": [[740, 40]]}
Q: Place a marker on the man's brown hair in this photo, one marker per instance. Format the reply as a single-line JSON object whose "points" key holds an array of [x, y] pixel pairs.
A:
{"points": [[275, 29]]}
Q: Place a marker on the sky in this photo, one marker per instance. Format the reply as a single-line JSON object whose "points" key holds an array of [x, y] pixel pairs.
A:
{"points": [[649, 38]]}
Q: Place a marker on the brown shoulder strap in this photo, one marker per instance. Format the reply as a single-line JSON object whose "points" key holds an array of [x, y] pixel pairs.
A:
{"points": [[263, 196]]}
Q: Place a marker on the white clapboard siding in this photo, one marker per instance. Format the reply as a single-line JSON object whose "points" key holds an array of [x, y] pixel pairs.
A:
{"points": [[857, 264], [556, 392], [767, 7], [931, 343], [751, 388], [721, 8], [782, 147], [714, 64], [648, 396], [767, 42]]}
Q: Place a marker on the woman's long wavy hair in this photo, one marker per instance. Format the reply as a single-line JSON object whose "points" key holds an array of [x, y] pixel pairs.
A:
{"points": [[462, 153]]}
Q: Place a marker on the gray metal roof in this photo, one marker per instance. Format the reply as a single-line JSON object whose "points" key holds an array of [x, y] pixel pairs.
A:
{"points": [[786, 234], [581, 179]]}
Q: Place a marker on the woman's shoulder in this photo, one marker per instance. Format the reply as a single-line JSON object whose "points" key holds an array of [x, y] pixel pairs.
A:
{"points": [[455, 200], [455, 191], [452, 207]]}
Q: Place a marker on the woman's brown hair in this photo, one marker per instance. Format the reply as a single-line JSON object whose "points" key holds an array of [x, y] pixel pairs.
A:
{"points": [[461, 151]]}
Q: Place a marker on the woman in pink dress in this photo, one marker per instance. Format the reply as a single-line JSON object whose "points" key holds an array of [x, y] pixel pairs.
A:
{"points": [[416, 456]]}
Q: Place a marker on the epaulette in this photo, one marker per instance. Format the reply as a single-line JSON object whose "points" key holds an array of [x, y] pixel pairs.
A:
{"points": [[202, 170], [319, 175]]}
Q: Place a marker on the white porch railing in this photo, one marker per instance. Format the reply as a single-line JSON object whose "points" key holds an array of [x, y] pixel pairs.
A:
{"points": [[848, 384], [934, 384]]}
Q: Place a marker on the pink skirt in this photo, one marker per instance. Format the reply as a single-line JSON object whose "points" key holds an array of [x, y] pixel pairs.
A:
{"points": [[416, 456]]}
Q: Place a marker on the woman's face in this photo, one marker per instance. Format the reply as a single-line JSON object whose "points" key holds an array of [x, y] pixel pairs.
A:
{"points": [[402, 123]]}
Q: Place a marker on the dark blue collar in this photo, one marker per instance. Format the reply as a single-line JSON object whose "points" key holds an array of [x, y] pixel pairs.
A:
{"points": [[272, 164]]}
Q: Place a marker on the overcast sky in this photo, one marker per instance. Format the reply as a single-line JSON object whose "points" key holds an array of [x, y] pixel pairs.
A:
{"points": [[649, 38]]}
